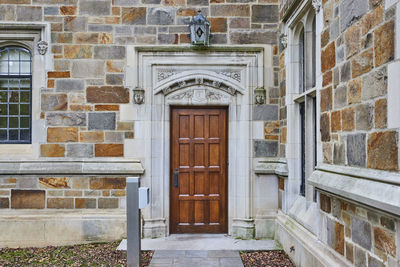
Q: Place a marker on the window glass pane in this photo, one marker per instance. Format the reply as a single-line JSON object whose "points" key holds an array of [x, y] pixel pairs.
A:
{"points": [[13, 134], [13, 122], [14, 97], [3, 67], [25, 55], [25, 84], [25, 67], [14, 67], [14, 84], [3, 109], [14, 54], [13, 109], [25, 97], [3, 122], [25, 135], [3, 84], [3, 96], [4, 54], [25, 109], [24, 122], [3, 135]]}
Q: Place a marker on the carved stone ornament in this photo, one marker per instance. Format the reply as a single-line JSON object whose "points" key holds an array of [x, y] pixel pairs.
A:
{"points": [[138, 96], [317, 5], [42, 47], [199, 30], [283, 40], [259, 96]]}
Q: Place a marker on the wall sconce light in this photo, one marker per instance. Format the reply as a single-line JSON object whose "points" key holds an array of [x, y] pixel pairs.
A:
{"points": [[259, 96], [138, 95], [199, 30]]}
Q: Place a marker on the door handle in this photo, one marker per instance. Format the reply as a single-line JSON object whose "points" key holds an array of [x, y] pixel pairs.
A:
{"points": [[176, 178]]}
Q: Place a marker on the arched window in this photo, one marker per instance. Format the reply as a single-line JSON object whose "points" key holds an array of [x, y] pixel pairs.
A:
{"points": [[15, 95], [301, 62]]}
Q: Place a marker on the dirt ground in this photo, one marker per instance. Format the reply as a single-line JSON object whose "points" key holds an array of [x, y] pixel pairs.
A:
{"points": [[275, 258]]}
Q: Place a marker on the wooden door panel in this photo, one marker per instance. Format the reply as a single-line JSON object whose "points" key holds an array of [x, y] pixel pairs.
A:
{"points": [[198, 153]]}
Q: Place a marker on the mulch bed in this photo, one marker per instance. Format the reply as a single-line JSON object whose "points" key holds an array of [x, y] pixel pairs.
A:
{"points": [[100, 254], [274, 258]]}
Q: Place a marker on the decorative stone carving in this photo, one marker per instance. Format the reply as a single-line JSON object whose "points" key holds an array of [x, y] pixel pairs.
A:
{"points": [[184, 95], [232, 74], [138, 96], [165, 73], [42, 47], [199, 81], [199, 96], [259, 96], [317, 5]]}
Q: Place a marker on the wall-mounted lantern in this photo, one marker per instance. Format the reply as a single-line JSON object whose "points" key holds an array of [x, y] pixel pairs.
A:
{"points": [[199, 30], [138, 95], [259, 96]]}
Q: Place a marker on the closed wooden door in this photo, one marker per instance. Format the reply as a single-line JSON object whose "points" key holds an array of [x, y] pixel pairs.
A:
{"points": [[198, 170]]}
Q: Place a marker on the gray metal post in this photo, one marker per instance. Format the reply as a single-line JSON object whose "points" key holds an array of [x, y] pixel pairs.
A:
{"points": [[133, 222]]}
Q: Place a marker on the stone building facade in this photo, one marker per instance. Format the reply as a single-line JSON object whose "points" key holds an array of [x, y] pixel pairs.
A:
{"points": [[313, 163]]}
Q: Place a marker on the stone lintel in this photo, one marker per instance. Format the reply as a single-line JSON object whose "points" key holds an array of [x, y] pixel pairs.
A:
{"points": [[272, 166], [364, 187], [92, 167]]}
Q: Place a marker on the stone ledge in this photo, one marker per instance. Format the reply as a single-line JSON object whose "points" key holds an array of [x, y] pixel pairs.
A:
{"points": [[272, 166], [65, 167], [369, 187]]}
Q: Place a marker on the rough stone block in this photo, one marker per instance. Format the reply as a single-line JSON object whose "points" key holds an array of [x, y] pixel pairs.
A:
{"points": [[55, 182], [340, 97], [230, 11], [109, 52], [100, 28], [335, 236], [339, 153], [60, 203], [95, 8], [350, 252], [364, 117], [85, 203], [384, 43], [66, 119], [326, 99], [264, 14], [372, 19], [102, 121], [361, 233], [351, 11], [325, 203], [161, 16], [107, 183], [352, 41], [197, 2], [168, 38], [86, 38], [70, 85], [107, 94], [356, 152], [374, 84], [62, 134], [126, 2], [383, 151], [239, 23], [88, 69], [265, 113], [336, 121], [374, 262], [115, 66], [218, 25], [362, 63], [7, 12], [380, 113], [354, 91], [133, 15], [388, 223], [78, 51], [80, 150], [54, 102], [253, 37], [325, 128], [114, 137], [68, 10], [385, 241], [4, 203], [91, 137], [348, 122], [109, 150], [328, 57], [327, 153], [345, 72], [108, 203], [29, 13], [50, 10], [52, 150], [27, 199], [360, 258], [115, 79], [265, 148], [75, 24]]}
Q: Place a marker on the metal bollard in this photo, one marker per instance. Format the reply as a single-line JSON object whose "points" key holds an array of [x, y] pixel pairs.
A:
{"points": [[133, 222]]}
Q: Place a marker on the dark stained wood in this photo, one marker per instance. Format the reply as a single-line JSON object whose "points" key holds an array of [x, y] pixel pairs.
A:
{"points": [[199, 152]]}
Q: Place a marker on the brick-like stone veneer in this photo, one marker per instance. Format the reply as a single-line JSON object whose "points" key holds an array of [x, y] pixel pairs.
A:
{"points": [[65, 192], [365, 236], [357, 44]]}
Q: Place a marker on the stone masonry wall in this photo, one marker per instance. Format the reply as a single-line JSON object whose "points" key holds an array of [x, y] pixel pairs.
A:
{"points": [[357, 44], [81, 104], [364, 236], [73, 192]]}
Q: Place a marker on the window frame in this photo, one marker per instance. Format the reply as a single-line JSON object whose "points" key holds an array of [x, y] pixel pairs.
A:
{"points": [[19, 76]]}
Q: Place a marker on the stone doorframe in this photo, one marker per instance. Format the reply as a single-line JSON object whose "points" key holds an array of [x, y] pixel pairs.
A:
{"points": [[182, 76]]}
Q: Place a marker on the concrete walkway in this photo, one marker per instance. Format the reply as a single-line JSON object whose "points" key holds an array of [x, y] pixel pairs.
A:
{"points": [[192, 250]]}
